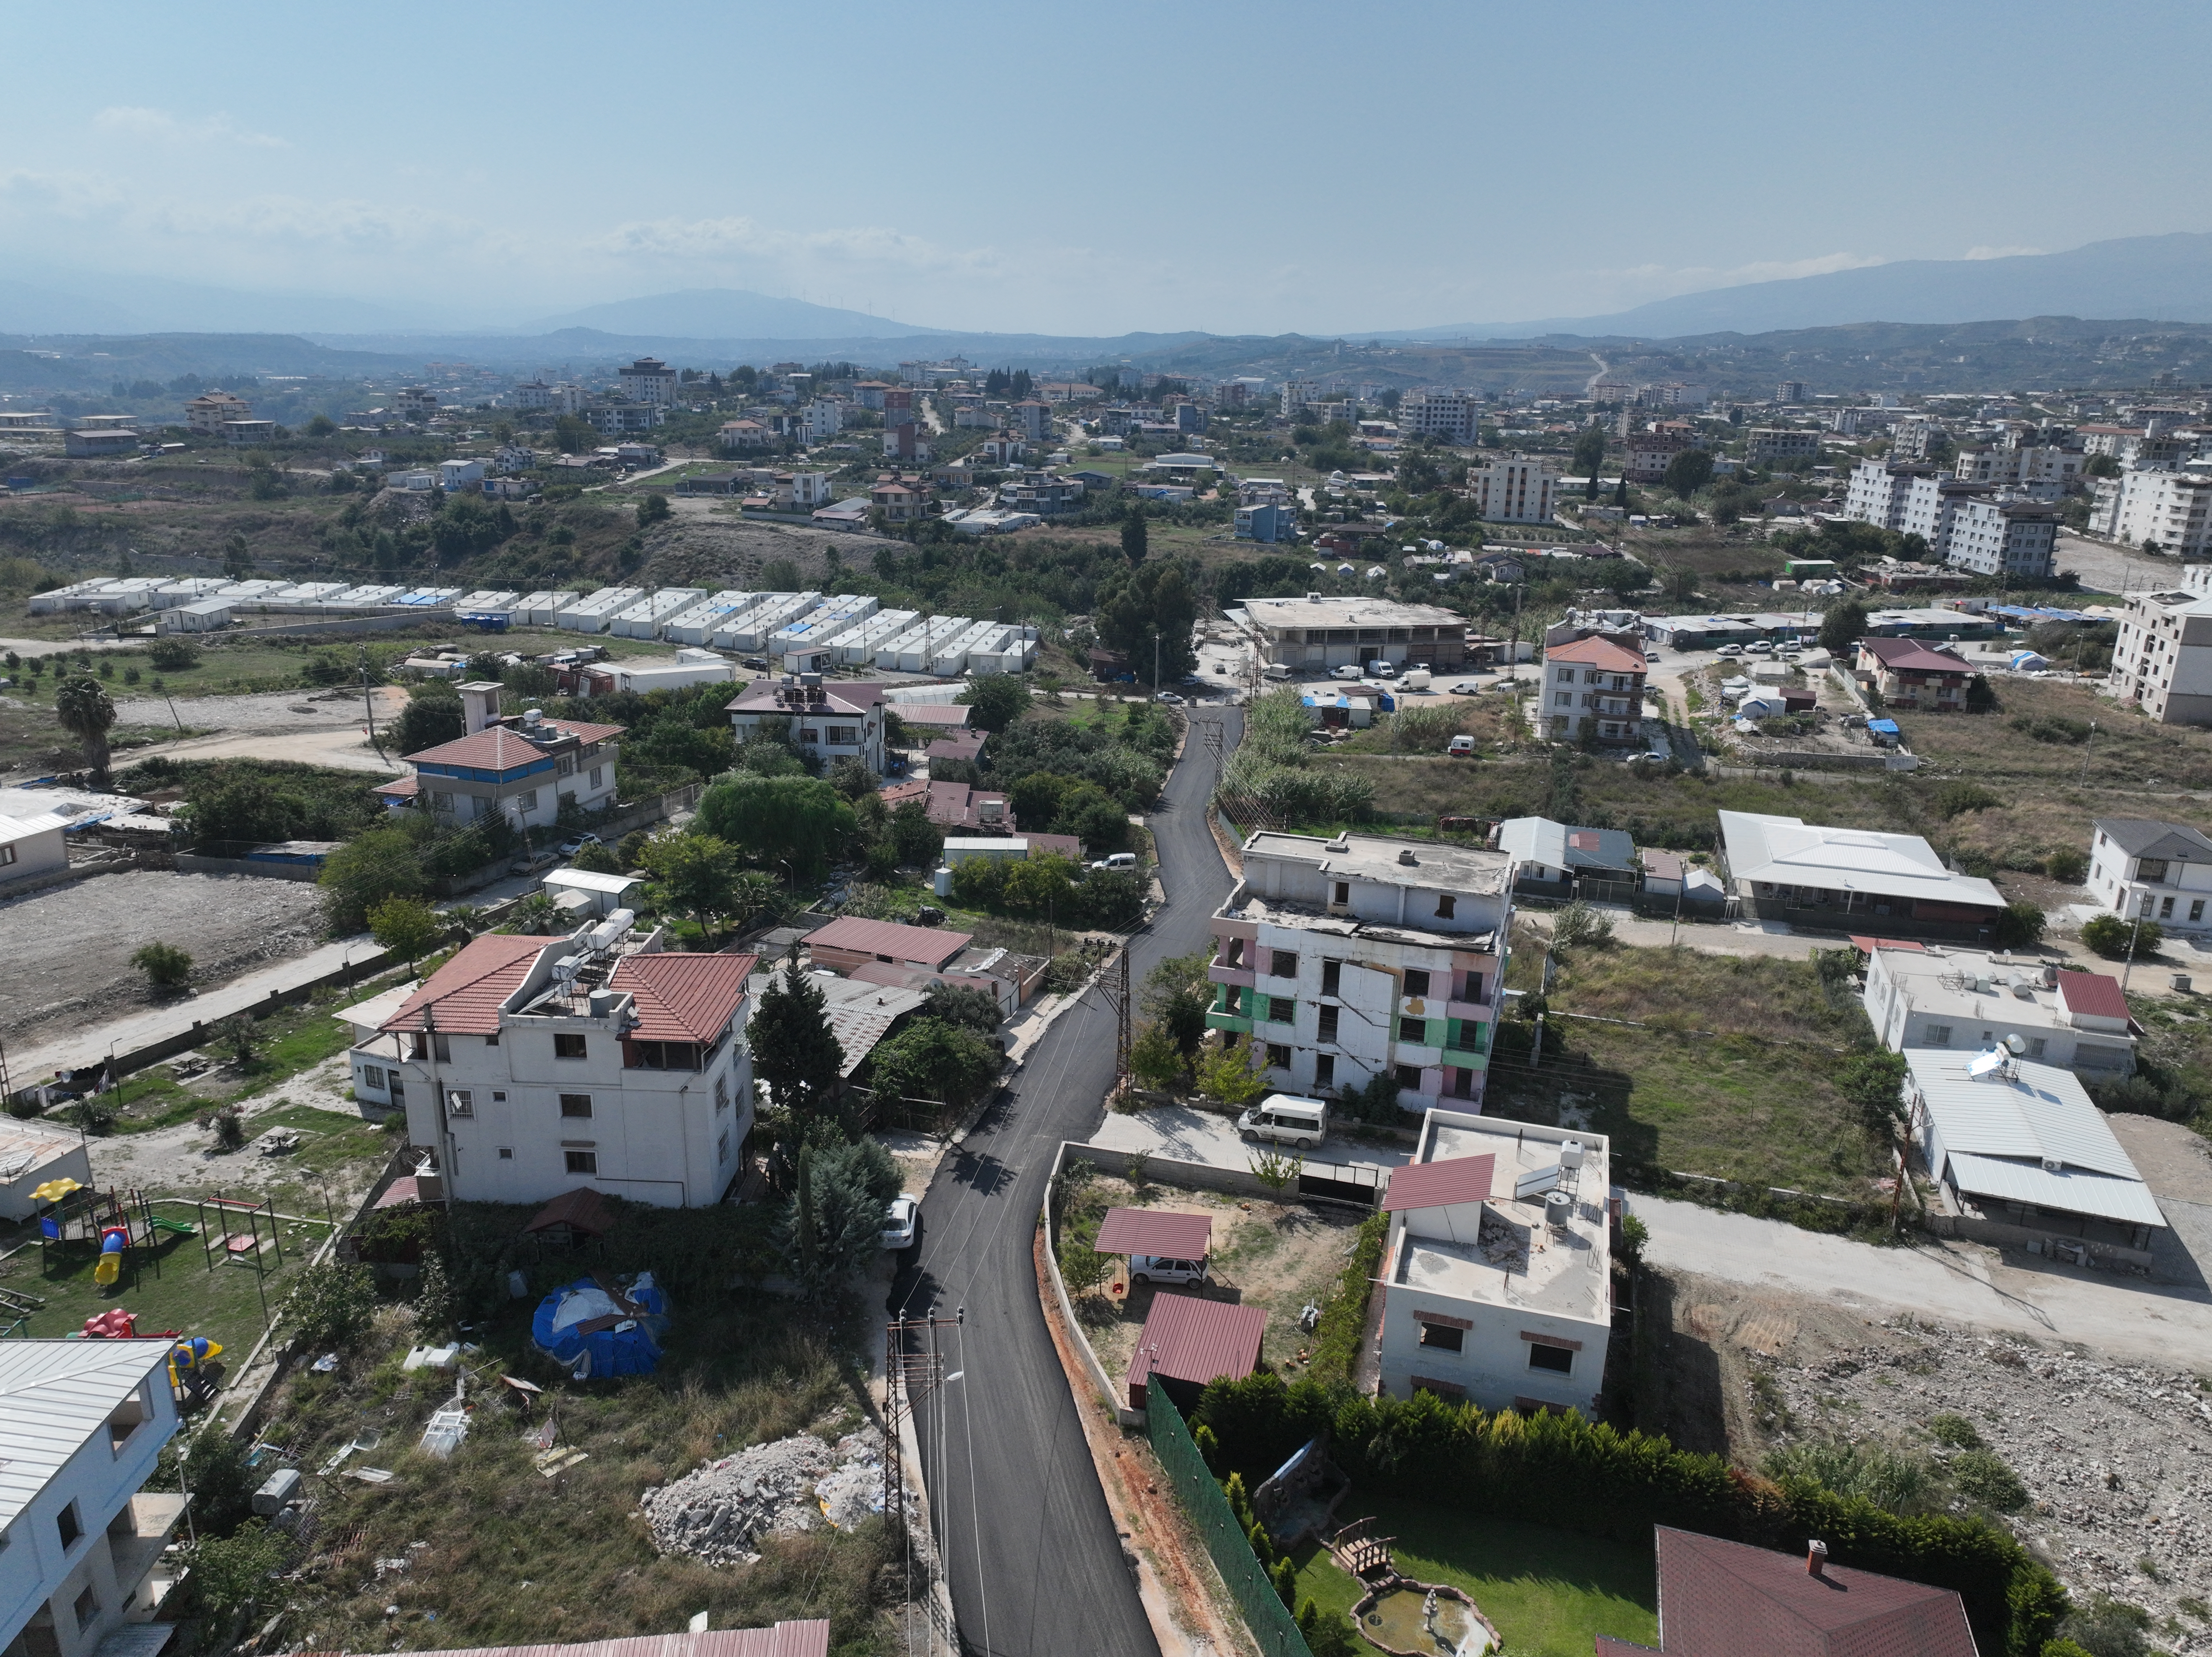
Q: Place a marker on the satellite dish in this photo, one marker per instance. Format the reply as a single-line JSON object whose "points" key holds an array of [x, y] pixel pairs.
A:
{"points": [[2015, 1045], [1982, 1064]]}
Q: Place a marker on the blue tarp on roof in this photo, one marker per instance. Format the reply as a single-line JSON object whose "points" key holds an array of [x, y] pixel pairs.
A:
{"points": [[585, 1326], [1887, 727]]}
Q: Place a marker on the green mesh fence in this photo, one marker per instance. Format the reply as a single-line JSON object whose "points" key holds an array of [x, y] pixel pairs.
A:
{"points": [[1273, 1629]]}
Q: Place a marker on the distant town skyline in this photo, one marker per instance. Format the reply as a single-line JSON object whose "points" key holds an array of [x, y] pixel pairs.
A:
{"points": [[1237, 169]]}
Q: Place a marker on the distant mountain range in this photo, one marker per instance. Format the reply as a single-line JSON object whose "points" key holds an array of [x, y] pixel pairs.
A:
{"points": [[725, 313], [2166, 278]]}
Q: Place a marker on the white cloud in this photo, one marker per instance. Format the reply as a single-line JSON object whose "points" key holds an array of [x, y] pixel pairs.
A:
{"points": [[67, 195], [136, 121], [711, 241], [1997, 252]]}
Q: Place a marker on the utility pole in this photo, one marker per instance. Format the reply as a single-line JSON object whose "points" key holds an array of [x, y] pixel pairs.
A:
{"points": [[1118, 996], [367, 705]]}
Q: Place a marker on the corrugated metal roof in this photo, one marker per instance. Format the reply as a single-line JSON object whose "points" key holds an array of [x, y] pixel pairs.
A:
{"points": [[864, 937], [1440, 1184], [1157, 1231], [810, 1639], [2070, 1190], [54, 1396], [683, 997], [468, 990], [2095, 994], [1789, 852], [1198, 1340], [2038, 1111]]}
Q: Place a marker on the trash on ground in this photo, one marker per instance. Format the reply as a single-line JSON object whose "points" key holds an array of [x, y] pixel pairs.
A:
{"points": [[716, 1512]]}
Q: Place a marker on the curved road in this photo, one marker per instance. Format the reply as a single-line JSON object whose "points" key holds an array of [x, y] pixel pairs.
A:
{"points": [[1031, 1549]]}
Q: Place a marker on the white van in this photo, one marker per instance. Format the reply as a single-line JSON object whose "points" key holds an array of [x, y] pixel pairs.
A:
{"points": [[1287, 1120], [1382, 670], [1116, 860]]}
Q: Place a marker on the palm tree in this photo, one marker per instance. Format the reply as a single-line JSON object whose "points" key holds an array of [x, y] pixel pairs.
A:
{"points": [[85, 712]]}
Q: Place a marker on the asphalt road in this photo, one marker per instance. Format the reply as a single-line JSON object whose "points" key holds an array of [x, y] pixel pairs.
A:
{"points": [[1031, 1549]]}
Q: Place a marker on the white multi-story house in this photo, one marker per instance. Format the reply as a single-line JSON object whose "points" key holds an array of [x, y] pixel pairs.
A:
{"points": [[1446, 416], [1935, 997], [827, 722], [1496, 1274], [648, 379], [1931, 506], [2172, 509], [2162, 872], [1515, 489], [2007, 536], [208, 412], [1356, 957], [1593, 684], [1766, 444], [414, 402], [521, 766], [529, 1066], [81, 1426], [2162, 660], [2041, 468], [1294, 395]]}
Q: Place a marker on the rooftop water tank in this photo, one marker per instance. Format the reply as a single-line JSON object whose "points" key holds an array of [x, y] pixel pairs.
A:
{"points": [[1559, 1209]]}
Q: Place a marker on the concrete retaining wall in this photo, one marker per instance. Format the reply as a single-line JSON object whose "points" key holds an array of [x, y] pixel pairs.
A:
{"points": [[2107, 1256], [191, 863], [1115, 1399]]}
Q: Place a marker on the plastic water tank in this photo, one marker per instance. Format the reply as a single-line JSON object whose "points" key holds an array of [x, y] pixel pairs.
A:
{"points": [[1559, 1209], [1572, 1153]]}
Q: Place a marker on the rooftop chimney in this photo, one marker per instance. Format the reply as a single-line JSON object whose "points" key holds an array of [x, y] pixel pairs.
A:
{"points": [[1816, 1558]]}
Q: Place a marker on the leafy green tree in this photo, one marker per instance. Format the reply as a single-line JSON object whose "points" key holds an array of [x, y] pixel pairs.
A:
{"points": [[796, 1055], [1135, 538], [1155, 1059], [598, 859], [331, 1305], [573, 435], [780, 576], [2021, 926], [973, 1010], [2116, 939], [1148, 612], [1236, 1075], [1177, 995], [1843, 626], [1875, 1081], [996, 700], [237, 559], [407, 924], [652, 510], [833, 1222], [1589, 450], [230, 1574], [693, 873], [366, 869], [84, 708], [165, 966], [932, 1058], [795, 823], [432, 715], [1621, 493], [1688, 472]]}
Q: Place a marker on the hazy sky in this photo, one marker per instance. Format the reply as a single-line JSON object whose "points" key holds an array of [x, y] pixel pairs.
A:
{"points": [[1093, 169]]}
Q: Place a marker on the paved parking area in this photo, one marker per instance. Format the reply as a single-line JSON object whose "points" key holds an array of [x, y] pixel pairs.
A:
{"points": [[1182, 1134]]}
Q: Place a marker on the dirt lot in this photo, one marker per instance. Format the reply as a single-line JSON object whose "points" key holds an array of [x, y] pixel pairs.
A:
{"points": [[68, 950], [1275, 1255], [706, 544], [2116, 1458]]}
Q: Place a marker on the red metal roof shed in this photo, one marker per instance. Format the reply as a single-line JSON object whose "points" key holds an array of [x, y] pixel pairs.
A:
{"points": [[1195, 1341], [1155, 1231], [2097, 995], [1441, 1184]]}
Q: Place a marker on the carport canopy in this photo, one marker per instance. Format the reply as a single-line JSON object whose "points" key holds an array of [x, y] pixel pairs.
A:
{"points": [[1159, 1232]]}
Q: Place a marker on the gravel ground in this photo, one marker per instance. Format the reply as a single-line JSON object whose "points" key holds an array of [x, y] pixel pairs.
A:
{"points": [[68, 950], [276, 710], [2116, 1459]]}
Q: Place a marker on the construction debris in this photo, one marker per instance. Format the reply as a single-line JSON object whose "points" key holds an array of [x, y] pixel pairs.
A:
{"points": [[798, 1483]]}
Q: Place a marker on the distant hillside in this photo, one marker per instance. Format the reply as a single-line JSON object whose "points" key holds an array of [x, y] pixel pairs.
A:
{"points": [[725, 313], [2165, 278], [92, 363]]}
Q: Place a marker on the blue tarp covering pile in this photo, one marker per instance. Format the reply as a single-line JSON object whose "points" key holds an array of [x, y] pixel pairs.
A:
{"points": [[597, 1334]]}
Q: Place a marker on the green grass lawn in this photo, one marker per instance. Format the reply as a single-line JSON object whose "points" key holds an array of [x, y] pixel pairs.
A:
{"points": [[1549, 1592], [172, 1287]]}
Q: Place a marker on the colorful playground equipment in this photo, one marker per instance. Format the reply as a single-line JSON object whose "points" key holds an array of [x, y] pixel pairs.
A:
{"points": [[113, 1240], [602, 1327]]}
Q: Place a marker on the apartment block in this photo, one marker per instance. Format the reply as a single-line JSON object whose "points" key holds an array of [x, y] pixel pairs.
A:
{"points": [[2005, 537], [1765, 445], [1593, 685], [529, 1066], [1880, 489], [2172, 509], [1360, 956], [2162, 660], [1515, 489], [1444, 416]]}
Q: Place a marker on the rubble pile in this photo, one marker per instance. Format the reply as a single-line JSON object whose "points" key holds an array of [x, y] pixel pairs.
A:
{"points": [[718, 1512], [2116, 1458]]}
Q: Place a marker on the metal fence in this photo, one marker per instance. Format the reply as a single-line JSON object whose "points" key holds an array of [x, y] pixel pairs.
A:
{"points": [[1273, 1629]]}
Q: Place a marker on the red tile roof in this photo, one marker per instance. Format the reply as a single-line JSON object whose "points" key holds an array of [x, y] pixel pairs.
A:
{"points": [[468, 990], [502, 748], [1440, 1184], [1718, 1599], [2096, 994], [1910, 655], [580, 1210], [1596, 652], [1198, 1340], [928, 944], [683, 997], [1867, 945], [404, 787], [785, 1640], [1154, 1231]]}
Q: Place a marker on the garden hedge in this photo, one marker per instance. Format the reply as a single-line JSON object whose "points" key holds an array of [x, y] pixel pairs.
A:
{"points": [[1563, 1471]]}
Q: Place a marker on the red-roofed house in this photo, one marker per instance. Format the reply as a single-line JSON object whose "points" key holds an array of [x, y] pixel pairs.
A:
{"points": [[1719, 1599], [959, 808], [522, 766], [530, 1067], [1593, 684], [1187, 1342], [853, 941], [826, 722], [1909, 674]]}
